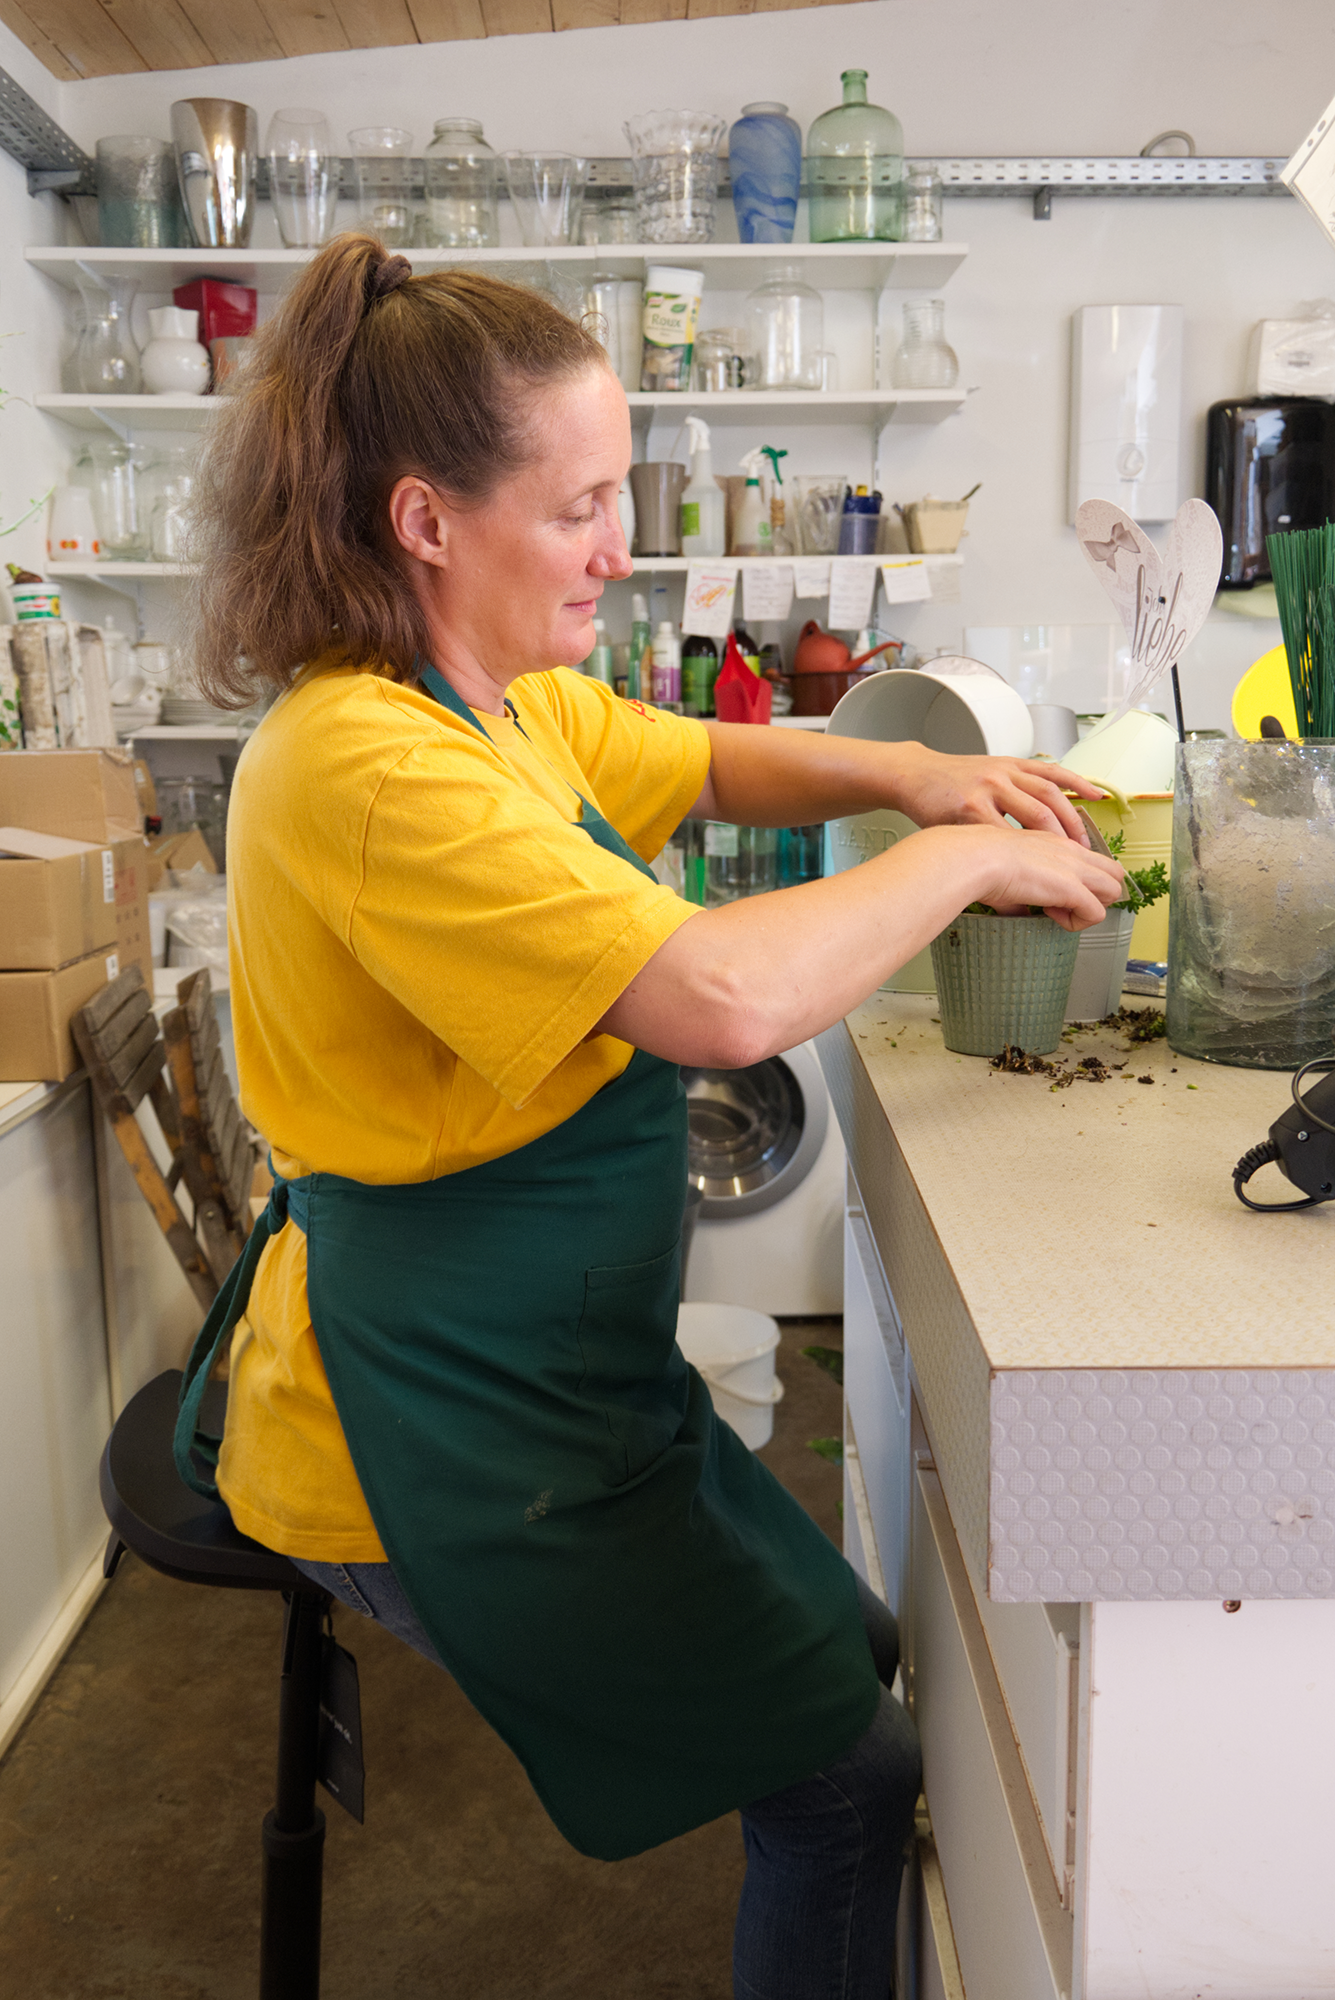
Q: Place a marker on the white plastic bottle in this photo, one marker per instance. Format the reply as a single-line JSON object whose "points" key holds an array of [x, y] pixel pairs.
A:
{"points": [[702, 507], [752, 534], [666, 664]]}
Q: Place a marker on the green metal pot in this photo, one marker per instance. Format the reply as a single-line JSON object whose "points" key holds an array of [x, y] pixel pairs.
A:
{"points": [[1003, 980]]}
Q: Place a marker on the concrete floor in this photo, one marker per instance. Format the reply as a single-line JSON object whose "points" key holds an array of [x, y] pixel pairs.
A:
{"points": [[130, 1809]]}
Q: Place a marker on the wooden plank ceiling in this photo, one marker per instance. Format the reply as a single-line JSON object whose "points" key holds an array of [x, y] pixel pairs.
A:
{"points": [[79, 38]]}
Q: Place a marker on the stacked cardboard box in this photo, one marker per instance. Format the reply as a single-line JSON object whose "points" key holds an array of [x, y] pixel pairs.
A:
{"points": [[73, 898]]}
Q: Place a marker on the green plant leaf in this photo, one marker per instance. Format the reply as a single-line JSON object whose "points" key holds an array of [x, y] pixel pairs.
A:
{"points": [[831, 1359], [830, 1449]]}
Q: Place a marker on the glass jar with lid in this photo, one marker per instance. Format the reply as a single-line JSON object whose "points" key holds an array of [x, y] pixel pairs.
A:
{"points": [[461, 176], [855, 163], [785, 332]]}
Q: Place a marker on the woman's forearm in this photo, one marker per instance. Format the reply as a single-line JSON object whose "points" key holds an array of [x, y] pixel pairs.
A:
{"points": [[792, 777], [737, 984]]}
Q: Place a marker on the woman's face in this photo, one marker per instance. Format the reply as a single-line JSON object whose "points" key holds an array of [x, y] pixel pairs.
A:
{"points": [[512, 586]]}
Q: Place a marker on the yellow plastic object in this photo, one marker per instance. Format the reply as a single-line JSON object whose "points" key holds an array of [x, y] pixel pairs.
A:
{"points": [[1147, 823], [1265, 689]]}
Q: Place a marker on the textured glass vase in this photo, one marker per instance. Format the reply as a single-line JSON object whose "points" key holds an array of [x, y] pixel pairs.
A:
{"points": [[1251, 937], [855, 164], [765, 163]]}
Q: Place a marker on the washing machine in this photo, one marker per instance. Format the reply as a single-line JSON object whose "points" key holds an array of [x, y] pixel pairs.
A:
{"points": [[768, 1157]]}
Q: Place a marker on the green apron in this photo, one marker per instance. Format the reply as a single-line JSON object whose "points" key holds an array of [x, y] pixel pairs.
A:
{"points": [[623, 1590]]}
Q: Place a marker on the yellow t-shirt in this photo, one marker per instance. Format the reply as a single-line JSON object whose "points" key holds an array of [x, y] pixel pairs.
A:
{"points": [[421, 939]]}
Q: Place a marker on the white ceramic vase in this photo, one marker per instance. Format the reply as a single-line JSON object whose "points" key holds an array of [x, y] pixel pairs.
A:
{"points": [[174, 363]]}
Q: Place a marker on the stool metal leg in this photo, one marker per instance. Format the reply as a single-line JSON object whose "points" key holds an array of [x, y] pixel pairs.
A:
{"points": [[294, 1831]]}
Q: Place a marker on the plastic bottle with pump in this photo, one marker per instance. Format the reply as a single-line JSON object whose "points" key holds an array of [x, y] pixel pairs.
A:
{"points": [[637, 669], [702, 507], [666, 659], [752, 534]]}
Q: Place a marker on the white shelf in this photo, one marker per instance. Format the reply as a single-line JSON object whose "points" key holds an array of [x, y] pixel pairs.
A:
{"points": [[680, 564], [732, 407], [132, 416], [727, 266], [130, 572]]}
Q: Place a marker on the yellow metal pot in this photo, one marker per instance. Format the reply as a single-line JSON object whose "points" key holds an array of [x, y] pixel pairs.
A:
{"points": [[1148, 827]]}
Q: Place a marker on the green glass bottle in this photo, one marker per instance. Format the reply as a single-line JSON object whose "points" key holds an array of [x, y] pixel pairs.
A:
{"points": [[699, 671], [855, 169]]}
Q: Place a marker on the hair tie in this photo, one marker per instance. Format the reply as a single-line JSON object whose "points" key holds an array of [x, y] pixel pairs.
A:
{"points": [[388, 276]]}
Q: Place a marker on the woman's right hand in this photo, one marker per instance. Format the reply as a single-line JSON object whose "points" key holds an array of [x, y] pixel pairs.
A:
{"points": [[1021, 869]]}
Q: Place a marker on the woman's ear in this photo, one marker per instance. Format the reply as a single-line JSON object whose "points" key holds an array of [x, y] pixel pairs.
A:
{"points": [[420, 520]]}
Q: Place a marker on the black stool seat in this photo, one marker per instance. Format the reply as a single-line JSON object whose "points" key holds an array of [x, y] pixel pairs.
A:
{"points": [[155, 1513]]}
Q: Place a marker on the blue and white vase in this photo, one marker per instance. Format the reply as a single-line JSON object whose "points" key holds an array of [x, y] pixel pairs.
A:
{"points": [[765, 161]]}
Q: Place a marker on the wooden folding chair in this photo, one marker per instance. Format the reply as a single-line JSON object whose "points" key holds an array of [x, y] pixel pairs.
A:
{"points": [[211, 1147]]}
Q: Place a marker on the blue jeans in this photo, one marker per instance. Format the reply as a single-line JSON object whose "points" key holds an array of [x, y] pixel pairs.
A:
{"points": [[824, 1857]]}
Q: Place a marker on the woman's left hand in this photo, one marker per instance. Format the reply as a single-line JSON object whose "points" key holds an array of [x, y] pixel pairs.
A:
{"points": [[936, 790]]}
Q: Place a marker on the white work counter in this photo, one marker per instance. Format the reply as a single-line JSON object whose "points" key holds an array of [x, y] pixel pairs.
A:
{"points": [[92, 1305], [1090, 1461]]}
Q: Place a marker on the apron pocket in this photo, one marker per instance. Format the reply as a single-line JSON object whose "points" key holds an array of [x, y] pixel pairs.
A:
{"points": [[633, 1369]]}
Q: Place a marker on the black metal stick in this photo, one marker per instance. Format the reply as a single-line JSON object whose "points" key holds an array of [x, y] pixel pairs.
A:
{"points": [[1177, 704]]}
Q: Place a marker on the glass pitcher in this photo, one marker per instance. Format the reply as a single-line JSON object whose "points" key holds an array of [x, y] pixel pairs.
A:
{"points": [[107, 360], [461, 173], [923, 360], [118, 501], [855, 164]]}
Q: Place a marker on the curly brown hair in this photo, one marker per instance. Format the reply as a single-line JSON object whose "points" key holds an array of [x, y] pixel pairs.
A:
{"points": [[353, 386]]}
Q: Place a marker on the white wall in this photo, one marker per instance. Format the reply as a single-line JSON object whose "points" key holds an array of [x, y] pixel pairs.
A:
{"points": [[965, 76]]}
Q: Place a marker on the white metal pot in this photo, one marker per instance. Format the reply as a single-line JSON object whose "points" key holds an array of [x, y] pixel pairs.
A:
{"points": [[1100, 968]]}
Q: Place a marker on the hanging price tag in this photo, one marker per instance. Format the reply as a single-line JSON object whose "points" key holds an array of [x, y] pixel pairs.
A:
{"points": [[852, 586], [906, 581], [767, 590], [710, 589], [811, 578]]}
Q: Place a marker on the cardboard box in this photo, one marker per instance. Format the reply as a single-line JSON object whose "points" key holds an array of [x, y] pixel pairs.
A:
{"points": [[36, 1009], [132, 940], [223, 308], [57, 900], [80, 794], [178, 851]]}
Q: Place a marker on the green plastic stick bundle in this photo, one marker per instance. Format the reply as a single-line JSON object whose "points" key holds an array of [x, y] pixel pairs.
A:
{"points": [[1303, 566]]}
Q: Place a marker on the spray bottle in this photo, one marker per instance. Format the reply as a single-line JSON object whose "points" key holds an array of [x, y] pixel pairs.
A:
{"points": [[752, 534], [782, 541], [637, 669], [702, 509]]}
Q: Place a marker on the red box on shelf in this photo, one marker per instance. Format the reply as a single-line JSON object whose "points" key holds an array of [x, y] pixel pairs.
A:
{"points": [[223, 308]]}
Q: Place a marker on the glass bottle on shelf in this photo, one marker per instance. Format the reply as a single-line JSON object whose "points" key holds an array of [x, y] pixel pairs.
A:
{"points": [[170, 506], [107, 358], [461, 187], [855, 164], [923, 360], [924, 205], [786, 332]]}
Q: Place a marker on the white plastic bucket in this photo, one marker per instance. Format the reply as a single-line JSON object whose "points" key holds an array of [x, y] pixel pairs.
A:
{"points": [[734, 1348]]}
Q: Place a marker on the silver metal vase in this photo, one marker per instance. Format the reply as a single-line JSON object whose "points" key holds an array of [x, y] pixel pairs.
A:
{"points": [[217, 147]]}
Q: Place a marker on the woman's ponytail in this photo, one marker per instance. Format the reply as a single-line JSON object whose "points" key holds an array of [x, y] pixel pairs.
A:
{"points": [[363, 375]]}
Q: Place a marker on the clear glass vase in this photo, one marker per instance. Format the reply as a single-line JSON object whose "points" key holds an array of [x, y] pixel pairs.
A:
{"points": [[382, 155], [786, 333], [923, 360], [107, 360], [119, 501], [855, 164], [303, 177], [461, 172], [675, 168], [1251, 937]]}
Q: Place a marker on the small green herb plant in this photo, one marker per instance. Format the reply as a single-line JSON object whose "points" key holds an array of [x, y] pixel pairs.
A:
{"points": [[1143, 885]]}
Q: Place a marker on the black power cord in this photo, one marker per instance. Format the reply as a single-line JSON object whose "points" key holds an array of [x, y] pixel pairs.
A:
{"points": [[1301, 1144]]}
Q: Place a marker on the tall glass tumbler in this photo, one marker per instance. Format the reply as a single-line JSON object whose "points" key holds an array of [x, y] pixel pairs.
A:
{"points": [[675, 165], [217, 147], [384, 182], [547, 193], [303, 177], [1251, 929], [139, 196]]}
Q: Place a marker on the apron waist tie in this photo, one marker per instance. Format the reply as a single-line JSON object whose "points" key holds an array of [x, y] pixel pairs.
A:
{"points": [[191, 1442]]}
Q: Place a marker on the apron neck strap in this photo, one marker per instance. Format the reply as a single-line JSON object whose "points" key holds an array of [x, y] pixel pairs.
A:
{"points": [[436, 685]]}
